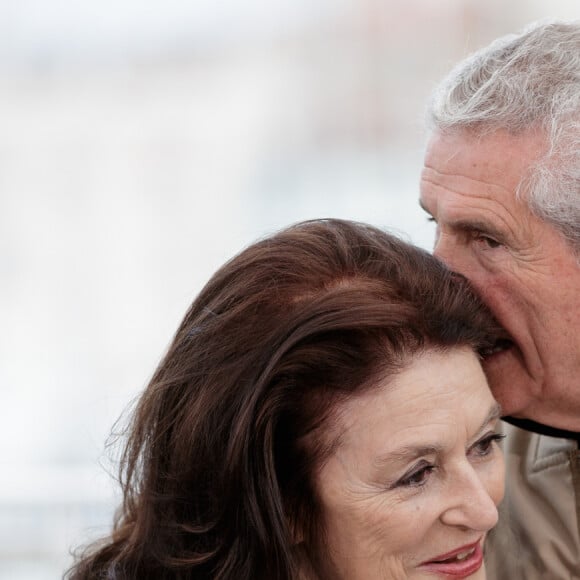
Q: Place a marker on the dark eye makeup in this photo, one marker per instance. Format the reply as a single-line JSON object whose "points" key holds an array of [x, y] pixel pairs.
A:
{"points": [[484, 446], [418, 476]]}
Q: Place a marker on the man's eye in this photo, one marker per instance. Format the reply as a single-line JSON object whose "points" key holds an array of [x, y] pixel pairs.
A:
{"points": [[489, 242]]}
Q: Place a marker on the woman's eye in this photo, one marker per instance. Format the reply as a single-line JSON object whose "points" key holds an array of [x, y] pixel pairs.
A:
{"points": [[416, 478], [485, 446]]}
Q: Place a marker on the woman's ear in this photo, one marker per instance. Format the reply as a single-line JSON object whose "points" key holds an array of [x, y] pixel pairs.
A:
{"points": [[296, 532], [305, 569]]}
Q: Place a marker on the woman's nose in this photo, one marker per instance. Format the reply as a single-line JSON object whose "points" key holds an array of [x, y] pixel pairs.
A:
{"points": [[470, 505]]}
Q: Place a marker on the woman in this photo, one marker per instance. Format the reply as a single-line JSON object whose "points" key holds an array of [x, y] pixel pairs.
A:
{"points": [[320, 414]]}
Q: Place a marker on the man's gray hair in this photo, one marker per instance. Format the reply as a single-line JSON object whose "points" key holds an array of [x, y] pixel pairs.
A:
{"points": [[520, 83]]}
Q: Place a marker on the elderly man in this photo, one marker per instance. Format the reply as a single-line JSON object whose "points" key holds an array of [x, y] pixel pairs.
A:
{"points": [[502, 182]]}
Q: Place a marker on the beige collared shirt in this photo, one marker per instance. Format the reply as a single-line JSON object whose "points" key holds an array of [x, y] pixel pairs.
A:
{"points": [[538, 536]]}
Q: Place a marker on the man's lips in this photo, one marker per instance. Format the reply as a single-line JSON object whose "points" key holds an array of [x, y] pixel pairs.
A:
{"points": [[459, 563]]}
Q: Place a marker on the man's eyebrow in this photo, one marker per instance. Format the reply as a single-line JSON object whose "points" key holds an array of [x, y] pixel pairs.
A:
{"points": [[410, 452], [470, 225], [423, 207], [474, 225]]}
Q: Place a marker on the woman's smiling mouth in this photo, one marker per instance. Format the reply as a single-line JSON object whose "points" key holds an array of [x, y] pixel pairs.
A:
{"points": [[459, 563]]}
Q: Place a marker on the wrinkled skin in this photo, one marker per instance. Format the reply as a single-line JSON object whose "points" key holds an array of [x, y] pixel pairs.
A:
{"points": [[387, 512], [521, 266]]}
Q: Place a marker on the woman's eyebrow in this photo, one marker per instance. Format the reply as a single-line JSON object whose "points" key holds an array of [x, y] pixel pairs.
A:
{"points": [[494, 414], [406, 453], [410, 452]]}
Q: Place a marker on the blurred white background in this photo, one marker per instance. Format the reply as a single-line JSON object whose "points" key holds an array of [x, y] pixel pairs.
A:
{"points": [[142, 143]]}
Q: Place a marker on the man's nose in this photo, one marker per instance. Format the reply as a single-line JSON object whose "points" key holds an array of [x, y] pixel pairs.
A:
{"points": [[446, 250], [452, 254]]}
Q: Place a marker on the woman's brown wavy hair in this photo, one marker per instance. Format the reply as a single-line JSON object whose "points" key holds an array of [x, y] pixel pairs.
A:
{"points": [[217, 471]]}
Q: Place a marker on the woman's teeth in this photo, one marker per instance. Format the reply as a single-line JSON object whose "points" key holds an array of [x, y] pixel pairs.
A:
{"points": [[461, 556], [464, 555]]}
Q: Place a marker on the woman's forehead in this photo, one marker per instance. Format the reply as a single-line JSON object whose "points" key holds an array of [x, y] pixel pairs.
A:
{"points": [[437, 390]]}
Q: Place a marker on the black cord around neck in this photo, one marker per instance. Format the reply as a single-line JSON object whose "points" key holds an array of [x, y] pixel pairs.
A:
{"points": [[529, 425]]}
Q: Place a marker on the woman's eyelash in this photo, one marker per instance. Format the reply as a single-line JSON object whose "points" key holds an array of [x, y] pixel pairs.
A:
{"points": [[485, 445], [418, 477]]}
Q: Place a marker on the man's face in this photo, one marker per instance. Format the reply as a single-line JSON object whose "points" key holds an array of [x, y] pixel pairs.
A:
{"points": [[520, 265]]}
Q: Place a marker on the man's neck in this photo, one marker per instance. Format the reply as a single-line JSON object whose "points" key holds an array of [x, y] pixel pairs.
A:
{"points": [[529, 425]]}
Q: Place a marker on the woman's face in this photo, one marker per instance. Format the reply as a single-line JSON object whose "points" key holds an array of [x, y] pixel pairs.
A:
{"points": [[414, 484]]}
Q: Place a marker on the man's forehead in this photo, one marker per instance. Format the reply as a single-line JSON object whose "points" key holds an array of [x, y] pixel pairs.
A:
{"points": [[477, 151], [464, 168]]}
